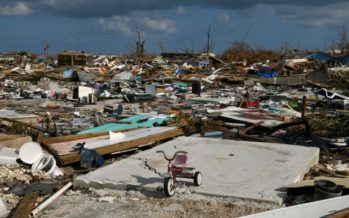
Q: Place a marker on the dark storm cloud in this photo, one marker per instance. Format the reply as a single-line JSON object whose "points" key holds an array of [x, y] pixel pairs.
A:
{"points": [[106, 8]]}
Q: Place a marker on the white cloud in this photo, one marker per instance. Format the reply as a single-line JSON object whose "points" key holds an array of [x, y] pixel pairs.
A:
{"points": [[107, 8], [117, 24], [181, 10], [128, 24], [315, 15], [224, 18], [164, 25], [49, 2], [20, 8]]}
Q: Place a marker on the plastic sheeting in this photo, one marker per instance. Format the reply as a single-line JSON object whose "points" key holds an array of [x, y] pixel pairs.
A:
{"points": [[320, 57], [67, 74], [265, 74]]}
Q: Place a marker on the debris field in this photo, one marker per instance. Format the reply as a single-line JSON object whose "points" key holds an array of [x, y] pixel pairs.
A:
{"points": [[82, 134]]}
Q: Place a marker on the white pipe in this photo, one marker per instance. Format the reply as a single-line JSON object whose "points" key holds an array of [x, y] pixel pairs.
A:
{"points": [[50, 199], [334, 95]]}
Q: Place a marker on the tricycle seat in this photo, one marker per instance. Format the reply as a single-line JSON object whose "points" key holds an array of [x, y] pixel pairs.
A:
{"points": [[180, 161]]}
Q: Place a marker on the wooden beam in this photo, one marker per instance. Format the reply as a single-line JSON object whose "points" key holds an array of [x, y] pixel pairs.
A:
{"points": [[26, 125], [75, 157], [244, 131], [58, 139], [339, 214], [26, 205], [254, 138]]}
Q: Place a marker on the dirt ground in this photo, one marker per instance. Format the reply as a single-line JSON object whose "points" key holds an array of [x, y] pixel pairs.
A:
{"points": [[111, 203], [115, 203]]}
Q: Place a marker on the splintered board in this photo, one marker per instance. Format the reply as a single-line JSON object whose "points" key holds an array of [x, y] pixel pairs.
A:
{"points": [[61, 147]]}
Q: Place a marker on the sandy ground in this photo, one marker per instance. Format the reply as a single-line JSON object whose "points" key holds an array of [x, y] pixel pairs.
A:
{"points": [[109, 203], [114, 203]]}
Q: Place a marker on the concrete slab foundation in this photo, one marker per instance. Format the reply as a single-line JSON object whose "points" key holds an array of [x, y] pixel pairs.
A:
{"points": [[247, 170]]}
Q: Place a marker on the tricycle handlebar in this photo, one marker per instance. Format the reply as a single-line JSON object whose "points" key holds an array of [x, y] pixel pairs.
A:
{"points": [[174, 156]]}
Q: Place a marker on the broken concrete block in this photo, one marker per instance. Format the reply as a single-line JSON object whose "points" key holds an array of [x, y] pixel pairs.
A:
{"points": [[3, 209], [8, 156]]}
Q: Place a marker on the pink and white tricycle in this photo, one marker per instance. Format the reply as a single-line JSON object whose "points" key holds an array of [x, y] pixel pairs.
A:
{"points": [[177, 167]]}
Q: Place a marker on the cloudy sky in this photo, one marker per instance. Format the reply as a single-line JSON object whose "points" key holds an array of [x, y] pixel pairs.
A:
{"points": [[108, 26]]}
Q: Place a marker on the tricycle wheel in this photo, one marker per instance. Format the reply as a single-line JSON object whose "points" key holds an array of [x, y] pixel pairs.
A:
{"points": [[169, 188], [198, 178]]}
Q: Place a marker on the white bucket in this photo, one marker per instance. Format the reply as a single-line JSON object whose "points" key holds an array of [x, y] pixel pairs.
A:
{"points": [[31, 153]]}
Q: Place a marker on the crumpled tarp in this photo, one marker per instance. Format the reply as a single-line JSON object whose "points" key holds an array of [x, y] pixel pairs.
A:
{"points": [[67, 74], [265, 74]]}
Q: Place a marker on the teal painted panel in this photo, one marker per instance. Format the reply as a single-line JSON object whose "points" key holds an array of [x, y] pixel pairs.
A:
{"points": [[137, 121]]}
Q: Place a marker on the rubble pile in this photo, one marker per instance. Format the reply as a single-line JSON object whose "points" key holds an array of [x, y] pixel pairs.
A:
{"points": [[83, 110]]}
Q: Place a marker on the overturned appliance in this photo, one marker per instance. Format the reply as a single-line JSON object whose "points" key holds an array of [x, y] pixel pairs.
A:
{"points": [[85, 94]]}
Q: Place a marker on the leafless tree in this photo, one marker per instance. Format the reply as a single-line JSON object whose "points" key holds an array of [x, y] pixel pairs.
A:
{"points": [[139, 46], [209, 45], [160, 43], [46, 47], [343, 39]]}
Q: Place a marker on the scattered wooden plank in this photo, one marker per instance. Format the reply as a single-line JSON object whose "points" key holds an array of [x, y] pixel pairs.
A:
{"points": [[26, 205], [213, 126], [134, 142], [244, 131], [13, 141], [329, 172], [339, 214], [57, 139], [342, 182]]}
